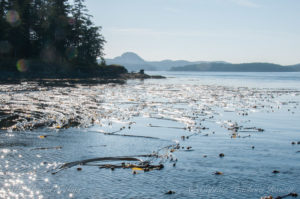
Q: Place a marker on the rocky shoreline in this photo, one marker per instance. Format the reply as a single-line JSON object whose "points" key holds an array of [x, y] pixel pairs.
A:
{"points": [[141, 75], [70, 81]]}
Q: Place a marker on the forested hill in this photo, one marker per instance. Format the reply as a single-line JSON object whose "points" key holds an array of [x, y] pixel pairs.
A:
{"points": [[48, 36], [244, 67]]}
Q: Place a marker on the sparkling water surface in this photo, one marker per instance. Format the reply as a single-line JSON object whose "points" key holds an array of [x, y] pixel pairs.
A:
{"points": [[153, 114]]}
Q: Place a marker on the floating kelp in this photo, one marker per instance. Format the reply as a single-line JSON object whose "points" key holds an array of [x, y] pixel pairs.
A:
{"points": [[251, 129], [218, 173], [136, 158], [295, 195], [47, 148], [136, 167], [170, 192], [169, 127], [127, 135]]}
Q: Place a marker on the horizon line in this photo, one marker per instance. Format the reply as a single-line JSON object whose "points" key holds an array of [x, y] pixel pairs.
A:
{"points": [[202, 61]]}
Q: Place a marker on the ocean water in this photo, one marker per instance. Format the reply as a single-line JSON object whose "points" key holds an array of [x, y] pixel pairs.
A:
{"points": [[248, 79], [252, 118]]}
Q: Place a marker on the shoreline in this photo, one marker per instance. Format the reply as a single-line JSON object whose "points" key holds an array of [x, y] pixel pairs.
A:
{"points": [[121, 79]]}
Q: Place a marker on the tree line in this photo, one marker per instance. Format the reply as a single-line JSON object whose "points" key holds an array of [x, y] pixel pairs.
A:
{"points": [[53, 31]]}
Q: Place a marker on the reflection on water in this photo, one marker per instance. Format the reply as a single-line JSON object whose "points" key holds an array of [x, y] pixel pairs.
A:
{"points": [[252, 127], [237, 79]]}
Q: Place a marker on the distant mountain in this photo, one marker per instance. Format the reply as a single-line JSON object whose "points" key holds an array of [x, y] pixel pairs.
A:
{"points": [[295, 67], [168, 64], [244, 67], [133, 62], [129, 58]]}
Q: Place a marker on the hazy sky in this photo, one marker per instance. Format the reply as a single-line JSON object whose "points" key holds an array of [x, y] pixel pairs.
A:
{"points": [[203, 30]]}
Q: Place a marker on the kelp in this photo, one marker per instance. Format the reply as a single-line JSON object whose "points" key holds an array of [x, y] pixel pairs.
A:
{"points": [[127, 135], [47, 148], [295, 195], [169, 127], [146, 167], [118, 158], [142, 164]]}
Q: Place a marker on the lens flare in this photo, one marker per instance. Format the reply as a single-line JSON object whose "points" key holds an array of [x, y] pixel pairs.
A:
{"points": [[71, 53], [22, 65], [13, 18]]}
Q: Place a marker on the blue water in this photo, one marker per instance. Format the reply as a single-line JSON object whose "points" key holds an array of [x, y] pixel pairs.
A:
{"points": [[248, 79], [216, 101]]}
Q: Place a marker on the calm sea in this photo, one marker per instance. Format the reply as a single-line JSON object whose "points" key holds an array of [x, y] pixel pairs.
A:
{"points": [[252, 118], [248, 79]]}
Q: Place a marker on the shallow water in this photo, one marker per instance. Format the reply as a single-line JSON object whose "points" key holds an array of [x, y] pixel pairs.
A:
{"points": [[163, 110]]}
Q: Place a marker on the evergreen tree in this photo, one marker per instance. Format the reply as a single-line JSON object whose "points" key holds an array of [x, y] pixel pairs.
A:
{"points": [[50, 30], [3, 24], [4, 43], [58, 29], [39, 24], [86, 37]]}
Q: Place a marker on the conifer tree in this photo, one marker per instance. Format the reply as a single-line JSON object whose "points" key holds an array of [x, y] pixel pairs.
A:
{"points": [[49, 30]]}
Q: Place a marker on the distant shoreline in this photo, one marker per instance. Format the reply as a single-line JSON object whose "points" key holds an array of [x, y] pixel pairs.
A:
{"points": [[245, 67], [133, 62], [233, 71]]}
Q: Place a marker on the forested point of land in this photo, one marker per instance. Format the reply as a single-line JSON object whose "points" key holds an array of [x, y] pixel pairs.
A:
{"points": [[50, 38]]}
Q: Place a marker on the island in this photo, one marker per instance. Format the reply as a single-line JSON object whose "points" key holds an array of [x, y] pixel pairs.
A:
{"points": [[243, 67], [53, 39]]}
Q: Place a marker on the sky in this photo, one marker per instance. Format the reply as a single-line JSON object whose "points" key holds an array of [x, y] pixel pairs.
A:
{"points": [[236, 31]]}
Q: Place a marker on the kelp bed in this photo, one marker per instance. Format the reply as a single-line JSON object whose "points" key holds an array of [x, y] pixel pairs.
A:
{"points": [[112, 108]]}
